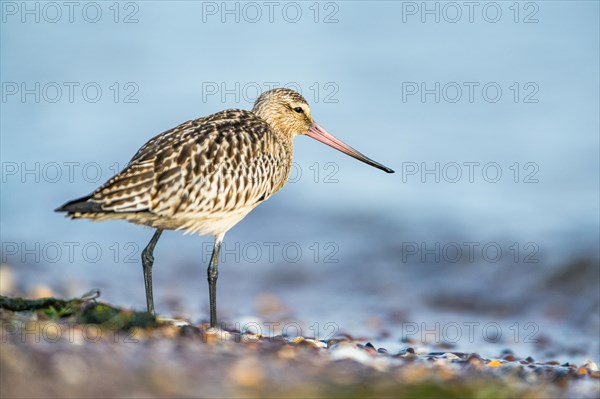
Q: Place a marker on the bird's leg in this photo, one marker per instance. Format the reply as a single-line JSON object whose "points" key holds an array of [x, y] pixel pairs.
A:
{"points": [[213, 274], [147, 261]]}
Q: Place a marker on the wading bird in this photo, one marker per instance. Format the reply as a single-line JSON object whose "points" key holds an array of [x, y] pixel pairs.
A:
{"points": [[207, 174]]}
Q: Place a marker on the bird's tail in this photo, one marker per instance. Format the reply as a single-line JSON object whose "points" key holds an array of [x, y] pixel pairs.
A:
{"points": [[80, 206]]}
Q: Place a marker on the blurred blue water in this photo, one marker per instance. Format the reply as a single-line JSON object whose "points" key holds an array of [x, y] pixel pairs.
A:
{"points": [[170, 54], [361, 68]]}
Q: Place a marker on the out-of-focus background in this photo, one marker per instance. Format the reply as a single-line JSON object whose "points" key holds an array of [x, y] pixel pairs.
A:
{"points": [[486, 237]]}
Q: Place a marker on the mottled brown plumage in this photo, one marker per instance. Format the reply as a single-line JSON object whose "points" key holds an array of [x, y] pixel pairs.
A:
{"points": [[202, 176], [207, 174]]}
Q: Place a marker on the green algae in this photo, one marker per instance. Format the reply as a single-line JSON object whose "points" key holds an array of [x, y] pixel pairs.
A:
{"points": [[84, 310]]}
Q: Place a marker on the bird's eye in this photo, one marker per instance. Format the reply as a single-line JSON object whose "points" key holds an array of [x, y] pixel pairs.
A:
{"points": [[298, 110]]}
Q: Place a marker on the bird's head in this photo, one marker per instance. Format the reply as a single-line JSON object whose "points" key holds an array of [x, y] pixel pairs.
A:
{"points": [[288, 113]]}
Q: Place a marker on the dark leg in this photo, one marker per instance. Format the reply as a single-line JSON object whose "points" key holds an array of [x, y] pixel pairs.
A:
{"points": [[147, 261], [213, 274]]}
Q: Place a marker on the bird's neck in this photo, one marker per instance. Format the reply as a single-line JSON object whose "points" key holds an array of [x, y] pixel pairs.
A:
{"points": [[276, 121]]}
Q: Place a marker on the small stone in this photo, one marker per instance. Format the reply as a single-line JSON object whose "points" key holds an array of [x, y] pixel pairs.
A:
{"points": [[317, 344], [190, 332], [408, 353], [348, 351], [369, 348], [434, 355], [336, 340], [297, 340], [474, 358], [247, 338], [590, 365], [309, 343], [450, 356], [494, 363], [509, 358], [216, 335]]}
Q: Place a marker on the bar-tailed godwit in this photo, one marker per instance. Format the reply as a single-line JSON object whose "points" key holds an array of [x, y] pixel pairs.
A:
{"points": [[207, 174]]}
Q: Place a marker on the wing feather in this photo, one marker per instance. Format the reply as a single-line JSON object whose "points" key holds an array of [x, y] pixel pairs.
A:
{"points": [[209, 165]]}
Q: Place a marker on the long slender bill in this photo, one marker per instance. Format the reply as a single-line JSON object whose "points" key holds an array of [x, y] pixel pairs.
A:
{"points": [[322, 135]]}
